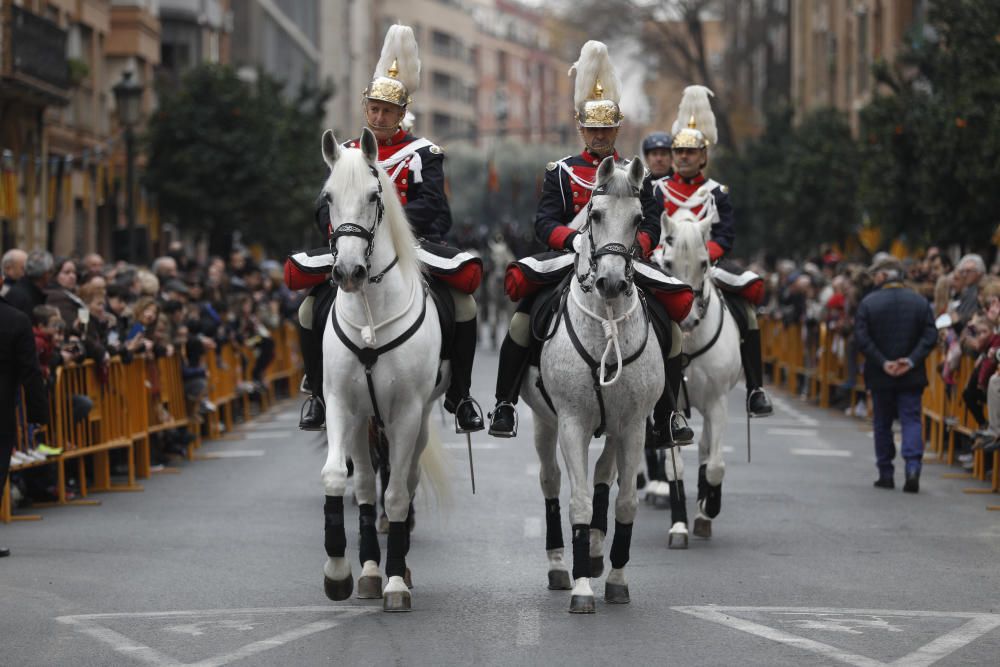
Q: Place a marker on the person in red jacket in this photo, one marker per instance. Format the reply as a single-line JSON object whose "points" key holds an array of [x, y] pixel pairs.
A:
{"points": [[687, 187]]}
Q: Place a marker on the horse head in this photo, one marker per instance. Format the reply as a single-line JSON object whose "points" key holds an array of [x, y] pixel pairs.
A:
{"points": [[686, 257], [354, 194], [613, 218]]}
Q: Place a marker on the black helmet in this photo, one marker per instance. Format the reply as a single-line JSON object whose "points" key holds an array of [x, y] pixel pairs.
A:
{"points": [[656, 140]]}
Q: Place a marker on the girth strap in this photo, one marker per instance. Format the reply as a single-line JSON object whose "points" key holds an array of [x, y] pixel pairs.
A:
{"points": [[595, 365], [368, 356]]}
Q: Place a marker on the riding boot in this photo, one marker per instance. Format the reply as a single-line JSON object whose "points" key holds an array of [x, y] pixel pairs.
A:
{"points": [[669, 425], [513, 361], [458, 401], [313, 414], [758, 404]]}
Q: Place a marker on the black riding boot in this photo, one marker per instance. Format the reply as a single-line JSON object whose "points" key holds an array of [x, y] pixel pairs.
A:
{"points": [[513, 361], [669, 426], [458, 401], [313, 412], [758, 404]]}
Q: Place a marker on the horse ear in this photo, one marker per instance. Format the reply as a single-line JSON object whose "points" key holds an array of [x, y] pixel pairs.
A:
{"points": [[369, 145], [331, 148], [636, 172], [606, 171], [668, 228], [706, 228]]}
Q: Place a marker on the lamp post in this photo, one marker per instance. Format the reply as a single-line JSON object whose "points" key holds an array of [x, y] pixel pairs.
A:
{"points": [[128, 100]]}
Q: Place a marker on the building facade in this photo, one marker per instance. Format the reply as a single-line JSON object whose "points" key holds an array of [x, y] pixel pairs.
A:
{"points": [[836, 42], [280, 37], [349, 57]]}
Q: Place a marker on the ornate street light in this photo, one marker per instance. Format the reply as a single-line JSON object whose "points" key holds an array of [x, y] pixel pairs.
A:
{"points": [[128, 100]]}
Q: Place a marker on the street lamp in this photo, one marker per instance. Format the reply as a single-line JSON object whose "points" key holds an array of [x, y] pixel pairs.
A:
{"points": [[128, 100]]}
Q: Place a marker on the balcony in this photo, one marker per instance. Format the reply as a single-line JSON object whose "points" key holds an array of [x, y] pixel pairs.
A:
{"points": [[35, 65]]}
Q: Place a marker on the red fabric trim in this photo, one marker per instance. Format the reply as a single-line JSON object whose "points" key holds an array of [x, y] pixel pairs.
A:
{"points": [[466, 279], [677, 304], [715, 251], [645, 242], [295, 279], [516, 285], [754, 292], [557, 239]]}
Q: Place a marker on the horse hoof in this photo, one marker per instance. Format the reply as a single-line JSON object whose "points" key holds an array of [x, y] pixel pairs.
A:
{"points": [[581, 604], [616, 593], [398, 601], [338, 590], [680, 540], [408, 578], [383, 525], [369, 588], [702, 528], [559, 580], [596, 566]]}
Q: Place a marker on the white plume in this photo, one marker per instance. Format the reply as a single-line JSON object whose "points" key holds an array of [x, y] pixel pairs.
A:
{"points": [[400, 45], [595, 64], [695, 103]]}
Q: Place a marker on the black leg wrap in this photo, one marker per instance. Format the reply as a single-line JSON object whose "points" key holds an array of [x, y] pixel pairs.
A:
{"points": [[397, 546], [553, 525], [463, 353], [678, 502], [620, 544], [513, 361], [335, 540], [599, 518], [369, 548], [652, 466], [702, 482], [713, 500], [581, 550], [751, 356]]}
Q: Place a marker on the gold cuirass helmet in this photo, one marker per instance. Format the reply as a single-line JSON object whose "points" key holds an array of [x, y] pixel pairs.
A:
{"points": [[599, 112], [388, 89]]}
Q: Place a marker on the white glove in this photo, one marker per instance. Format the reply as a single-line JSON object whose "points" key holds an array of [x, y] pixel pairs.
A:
{"points": [[577, 243]]}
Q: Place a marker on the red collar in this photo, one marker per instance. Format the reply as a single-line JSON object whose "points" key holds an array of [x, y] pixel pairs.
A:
{"points": [[397, 138], [698, 179], [590, 158]]}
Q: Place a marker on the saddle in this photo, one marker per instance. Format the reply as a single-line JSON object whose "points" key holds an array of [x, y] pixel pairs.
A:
{"points": [[456, 268], [734, 280]]}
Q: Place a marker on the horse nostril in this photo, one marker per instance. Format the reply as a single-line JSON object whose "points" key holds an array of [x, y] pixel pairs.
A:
{"points": [[621, 287], [358, 273], [601, 283], [338, 275]]}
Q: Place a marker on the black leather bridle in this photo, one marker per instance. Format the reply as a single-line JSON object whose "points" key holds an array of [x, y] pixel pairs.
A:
{"points": [[607, 249], [350, 229]]}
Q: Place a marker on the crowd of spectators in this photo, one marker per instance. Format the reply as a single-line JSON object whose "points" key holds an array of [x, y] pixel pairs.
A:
{"points": [[88, 309], [965, 297]]}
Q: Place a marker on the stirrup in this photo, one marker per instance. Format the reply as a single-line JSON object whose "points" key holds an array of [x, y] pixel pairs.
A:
{"points": [[503, 434], [769, 409], [479, 413]]}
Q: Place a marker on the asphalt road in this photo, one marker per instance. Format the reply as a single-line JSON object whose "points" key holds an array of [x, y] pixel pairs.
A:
{"points": [[222, 564]]}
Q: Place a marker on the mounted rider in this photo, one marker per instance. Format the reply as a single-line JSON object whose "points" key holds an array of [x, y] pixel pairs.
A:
{"points": [[687, 187], [416, 167], [656, 154], [566, 191]]}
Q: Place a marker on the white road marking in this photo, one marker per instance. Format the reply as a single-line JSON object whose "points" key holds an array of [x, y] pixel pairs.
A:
{"points": [[533, 469], [532, 527], [786, 407], [842, 453], [793, 432], [528, 627], [265, 435], [975, 627], [476, 446], [89, 624], [234, 454]]}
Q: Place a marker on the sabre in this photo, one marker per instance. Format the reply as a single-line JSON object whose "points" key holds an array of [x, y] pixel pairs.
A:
{"points": [[748, 437], [472, 470]]}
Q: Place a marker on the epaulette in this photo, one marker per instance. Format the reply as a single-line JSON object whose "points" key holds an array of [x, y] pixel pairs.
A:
{"points": [[550, 166], [725, 189], [437, 150]]}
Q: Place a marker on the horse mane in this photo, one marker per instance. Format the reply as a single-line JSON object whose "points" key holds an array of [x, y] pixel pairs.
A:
{"points": [[354, 176]]}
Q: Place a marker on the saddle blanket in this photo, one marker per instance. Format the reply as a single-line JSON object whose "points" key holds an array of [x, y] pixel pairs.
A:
{"points": [[732, 278], [456, 268]]}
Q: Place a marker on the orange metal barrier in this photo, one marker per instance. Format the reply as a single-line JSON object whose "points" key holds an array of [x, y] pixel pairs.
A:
{"points": [[131, 401]]}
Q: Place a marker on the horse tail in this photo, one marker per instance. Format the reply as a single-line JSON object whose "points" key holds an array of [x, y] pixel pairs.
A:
{"points": [[434, 467]]}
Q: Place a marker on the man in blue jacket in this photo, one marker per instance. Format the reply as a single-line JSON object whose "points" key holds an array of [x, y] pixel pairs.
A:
{"points": [[894, 329]]}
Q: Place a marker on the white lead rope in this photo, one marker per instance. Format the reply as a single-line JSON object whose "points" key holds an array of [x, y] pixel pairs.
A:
{"points": [[610, 326], [368, 330]]}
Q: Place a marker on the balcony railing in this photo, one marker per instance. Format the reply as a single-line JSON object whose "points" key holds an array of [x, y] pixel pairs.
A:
{"points": [[37, 55]]}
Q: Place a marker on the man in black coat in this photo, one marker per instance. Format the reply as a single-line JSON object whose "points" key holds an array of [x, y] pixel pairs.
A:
{"points": [[18, 367], [894, 329], [29, 290]]}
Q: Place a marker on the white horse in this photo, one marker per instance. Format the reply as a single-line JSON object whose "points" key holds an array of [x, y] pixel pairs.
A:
{"points": [[712, 343], [380, 355], [609, 379]]}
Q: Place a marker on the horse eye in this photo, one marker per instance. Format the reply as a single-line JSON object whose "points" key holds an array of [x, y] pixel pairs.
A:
{"points": [[373, 197], [328, 197], [704, 264], [596, 216], [636, 221], [668, 265]]}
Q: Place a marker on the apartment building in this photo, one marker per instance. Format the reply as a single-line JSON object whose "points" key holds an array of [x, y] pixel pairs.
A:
{"points": [[280, 37]]}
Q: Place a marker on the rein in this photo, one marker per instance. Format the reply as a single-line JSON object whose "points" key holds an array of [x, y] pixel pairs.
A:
{"points": [[686, 359]]}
